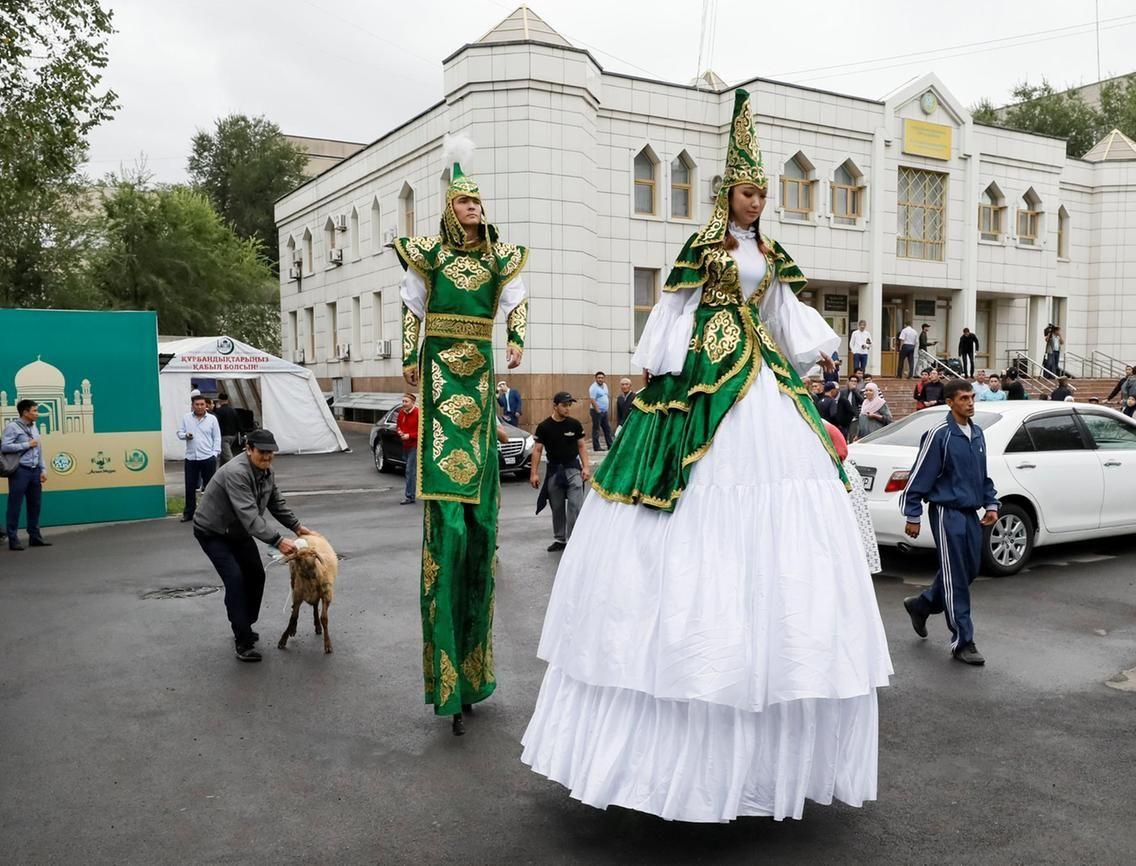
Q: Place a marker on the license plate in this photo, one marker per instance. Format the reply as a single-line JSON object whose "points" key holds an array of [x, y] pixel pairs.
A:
{"points": [[867, 476]]}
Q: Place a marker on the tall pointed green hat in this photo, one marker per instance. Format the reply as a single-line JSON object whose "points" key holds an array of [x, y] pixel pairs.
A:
{"points": [[458, 147], [744, 164]]}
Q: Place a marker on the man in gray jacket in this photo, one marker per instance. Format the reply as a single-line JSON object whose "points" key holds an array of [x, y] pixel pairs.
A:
{"points": [[229, 518]]}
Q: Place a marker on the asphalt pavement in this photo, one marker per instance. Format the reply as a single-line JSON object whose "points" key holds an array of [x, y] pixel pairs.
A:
{"points": [[130, 733]]}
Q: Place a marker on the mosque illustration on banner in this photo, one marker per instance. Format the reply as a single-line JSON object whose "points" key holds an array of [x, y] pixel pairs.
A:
{"points": [[47, 385]]}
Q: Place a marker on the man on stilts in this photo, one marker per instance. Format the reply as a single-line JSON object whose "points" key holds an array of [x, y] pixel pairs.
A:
{"points": [[455, 282]]}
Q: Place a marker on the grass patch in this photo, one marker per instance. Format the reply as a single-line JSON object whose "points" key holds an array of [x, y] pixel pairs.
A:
{"points": [[175, 504]]}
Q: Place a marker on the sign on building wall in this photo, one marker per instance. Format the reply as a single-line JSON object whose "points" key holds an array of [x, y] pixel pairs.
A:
{"points": [[922, 138], [94, 377], [836, 303]]}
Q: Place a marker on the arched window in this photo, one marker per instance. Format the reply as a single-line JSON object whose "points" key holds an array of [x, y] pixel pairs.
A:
{"points": [[1062, 233], [329, 234], [682, 185], [991, 214], [290, 256], [797, 188], [376, 227], [406, 210], [645, 165], [847, 194], [309, 260], [354, 229], [1029, 219]]}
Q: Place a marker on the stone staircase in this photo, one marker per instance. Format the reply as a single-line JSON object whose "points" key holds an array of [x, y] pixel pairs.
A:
{"points": [[898, 393]]}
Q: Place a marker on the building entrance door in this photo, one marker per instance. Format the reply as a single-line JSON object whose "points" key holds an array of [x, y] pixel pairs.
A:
{"points": [[982, 330], [892, 324]]}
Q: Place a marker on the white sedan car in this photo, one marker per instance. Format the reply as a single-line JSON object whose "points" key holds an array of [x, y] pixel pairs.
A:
{"points": [[1063, 472]]}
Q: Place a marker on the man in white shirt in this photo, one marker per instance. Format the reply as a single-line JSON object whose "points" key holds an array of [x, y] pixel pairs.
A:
{"points": [[908, 337], [860, 344], [202, 436]]}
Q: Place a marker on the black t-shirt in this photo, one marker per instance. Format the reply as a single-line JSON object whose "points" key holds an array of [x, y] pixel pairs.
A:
{"points": [[227, 419], [559, 439]]}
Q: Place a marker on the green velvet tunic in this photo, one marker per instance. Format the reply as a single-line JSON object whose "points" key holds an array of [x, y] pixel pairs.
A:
{"points": [[674, 418]]}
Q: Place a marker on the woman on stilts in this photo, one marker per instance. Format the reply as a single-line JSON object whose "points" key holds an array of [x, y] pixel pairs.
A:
{"points": [[724, 661]]}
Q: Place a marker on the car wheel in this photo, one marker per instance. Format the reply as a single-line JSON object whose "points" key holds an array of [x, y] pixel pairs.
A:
{"points": [[1007, 545], [380, 461]]}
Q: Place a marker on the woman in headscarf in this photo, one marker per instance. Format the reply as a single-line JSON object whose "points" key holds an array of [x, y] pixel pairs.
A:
{"points": [[720, 662], [874, 411]]}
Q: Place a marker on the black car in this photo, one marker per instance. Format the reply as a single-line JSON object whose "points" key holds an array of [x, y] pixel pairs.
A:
{"points": [[514, 456]]}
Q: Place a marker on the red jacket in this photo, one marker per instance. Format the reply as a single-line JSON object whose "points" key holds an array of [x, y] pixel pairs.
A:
{"points": [[408, 424]]}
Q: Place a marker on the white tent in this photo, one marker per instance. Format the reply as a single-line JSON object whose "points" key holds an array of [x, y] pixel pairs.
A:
{"points": [[292, 405]]}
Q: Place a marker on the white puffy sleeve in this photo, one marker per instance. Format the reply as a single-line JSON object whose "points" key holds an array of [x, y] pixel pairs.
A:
{"points": [[412, 290], [513, 293], [797, 328], [666, 336]]}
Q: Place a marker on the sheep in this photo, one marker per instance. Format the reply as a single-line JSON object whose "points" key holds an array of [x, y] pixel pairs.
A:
{"points": [[314, 567]]}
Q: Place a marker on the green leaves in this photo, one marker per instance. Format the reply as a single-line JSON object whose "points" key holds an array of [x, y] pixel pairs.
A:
{"points": [[243, 166], [1041, 109]]}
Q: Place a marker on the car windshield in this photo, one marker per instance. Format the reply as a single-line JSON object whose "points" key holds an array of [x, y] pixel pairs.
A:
{"points": [[911, 429]]}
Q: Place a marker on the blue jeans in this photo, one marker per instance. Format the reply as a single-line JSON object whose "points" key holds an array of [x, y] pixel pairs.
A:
{"points": [[859, 362], [600, 422], [25, 484], [411, 455]]}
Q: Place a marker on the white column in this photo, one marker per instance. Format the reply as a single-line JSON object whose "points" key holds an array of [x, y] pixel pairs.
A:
{"points": [[871, 294], [964, 304]]}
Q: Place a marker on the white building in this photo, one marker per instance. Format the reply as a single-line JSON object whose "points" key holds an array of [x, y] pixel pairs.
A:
{"points": [[900, 210]]}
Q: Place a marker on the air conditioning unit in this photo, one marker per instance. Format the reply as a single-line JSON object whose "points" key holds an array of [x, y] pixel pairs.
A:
{"points": [[297, 257], [335, 256], [389, 235], [715, 185], [293, 273], [341, 223], [343, 351], [298, 356], [384, 348]]}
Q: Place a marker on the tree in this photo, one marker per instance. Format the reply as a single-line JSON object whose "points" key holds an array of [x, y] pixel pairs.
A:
{"points": [[1118, 105], [168, 250], [50, 100], [243, 166], [1039, 108]]}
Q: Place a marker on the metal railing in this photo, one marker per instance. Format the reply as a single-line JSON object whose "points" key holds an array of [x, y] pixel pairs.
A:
{"points": [[1114, 366], [1030, 372], [924, 359], [1088, 368]]}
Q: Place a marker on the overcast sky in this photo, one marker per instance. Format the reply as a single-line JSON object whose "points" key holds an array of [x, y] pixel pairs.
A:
{"points": [[353, 69]]}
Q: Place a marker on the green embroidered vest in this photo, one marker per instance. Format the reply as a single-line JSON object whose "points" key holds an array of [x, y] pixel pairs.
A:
{"points": [[674, 418], [453, 352]]}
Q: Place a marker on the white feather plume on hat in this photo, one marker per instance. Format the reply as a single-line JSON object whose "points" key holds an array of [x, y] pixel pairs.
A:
{"points": [[457, 147]]}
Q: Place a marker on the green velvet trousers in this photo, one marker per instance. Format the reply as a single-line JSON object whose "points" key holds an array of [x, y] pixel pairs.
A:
{"points": [[458, 552]]}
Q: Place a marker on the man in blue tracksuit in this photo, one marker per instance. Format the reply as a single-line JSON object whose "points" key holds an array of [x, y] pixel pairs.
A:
{"points": [[950, 473]]}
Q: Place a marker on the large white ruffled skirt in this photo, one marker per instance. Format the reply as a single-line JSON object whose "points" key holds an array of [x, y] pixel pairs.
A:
{"points": [[721, 660]]}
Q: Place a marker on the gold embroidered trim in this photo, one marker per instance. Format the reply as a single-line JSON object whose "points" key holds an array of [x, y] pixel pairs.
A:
{"points": [[636, 497], [429, 571], [517, 258], [721, 336], [477, 444], [467, 273], [413, 252], [449, 679], [439, 439], [459, 466], [463, 358], [483, 386], [462, 410], [692, 285], [517, 321], [410, 331], [453, 325], [474, 667], [437, 380], [661, 407], [433, 610]]}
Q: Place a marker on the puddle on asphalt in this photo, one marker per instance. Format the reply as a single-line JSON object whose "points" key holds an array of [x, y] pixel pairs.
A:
{"points": [[182, 591]]}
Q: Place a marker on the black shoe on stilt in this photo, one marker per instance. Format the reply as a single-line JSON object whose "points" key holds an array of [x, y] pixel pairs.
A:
{"points": [[458, 727]]}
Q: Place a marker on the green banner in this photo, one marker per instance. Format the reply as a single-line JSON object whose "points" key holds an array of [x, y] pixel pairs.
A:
{"points": [[94, 376]]}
